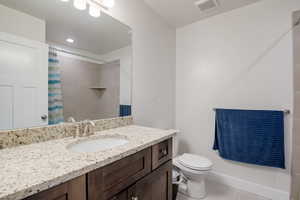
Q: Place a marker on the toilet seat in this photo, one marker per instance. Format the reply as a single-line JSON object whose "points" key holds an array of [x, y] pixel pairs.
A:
{"points": [[194, 162]]}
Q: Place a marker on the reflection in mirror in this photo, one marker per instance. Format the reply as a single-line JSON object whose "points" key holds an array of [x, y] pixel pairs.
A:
{"points": [[60, 64]]}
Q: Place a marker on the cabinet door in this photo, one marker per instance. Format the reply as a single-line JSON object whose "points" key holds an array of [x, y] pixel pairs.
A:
{"points": [[72, 190], [23, 82], [156, 186], [110, 180], [121, 196]]}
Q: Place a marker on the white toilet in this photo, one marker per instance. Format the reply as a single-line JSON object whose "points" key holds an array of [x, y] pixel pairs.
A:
{"points": [[194, 169]]}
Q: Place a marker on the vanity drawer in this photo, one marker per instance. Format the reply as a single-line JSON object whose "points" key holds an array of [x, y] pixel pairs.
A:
{"points": [[108, 181], [161, 153], [72, 190]]}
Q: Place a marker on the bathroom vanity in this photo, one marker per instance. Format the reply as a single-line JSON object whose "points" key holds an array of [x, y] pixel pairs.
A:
{"points": [[143, 175], [138, 170]]}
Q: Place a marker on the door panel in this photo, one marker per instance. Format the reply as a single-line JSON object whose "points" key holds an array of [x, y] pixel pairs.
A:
{"points": [[30, 112], [121, 196], [23, 69], [160, 186], [156, 186]]}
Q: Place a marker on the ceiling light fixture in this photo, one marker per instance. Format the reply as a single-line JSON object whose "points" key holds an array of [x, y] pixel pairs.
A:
{"points": [[80, 4], [109, 3], [206, 5], [94, 10], [70, 40], [95, 6]]}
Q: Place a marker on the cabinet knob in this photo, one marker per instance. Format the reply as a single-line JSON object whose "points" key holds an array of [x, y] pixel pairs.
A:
{"points": [[164, 152], [44, 117], [134, 198]]}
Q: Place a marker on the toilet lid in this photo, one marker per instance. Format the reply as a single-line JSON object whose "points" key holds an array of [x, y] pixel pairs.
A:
{"points": [[195, 162]]}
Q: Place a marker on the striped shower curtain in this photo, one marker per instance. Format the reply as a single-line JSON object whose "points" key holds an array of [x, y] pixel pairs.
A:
{"points": [[55, 101]]}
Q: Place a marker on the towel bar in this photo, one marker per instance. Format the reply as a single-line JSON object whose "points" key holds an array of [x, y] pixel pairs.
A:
{"points": [[285, 111]]}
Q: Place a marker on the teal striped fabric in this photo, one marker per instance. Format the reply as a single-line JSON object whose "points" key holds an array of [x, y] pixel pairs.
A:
{"points": [[55, 100]]}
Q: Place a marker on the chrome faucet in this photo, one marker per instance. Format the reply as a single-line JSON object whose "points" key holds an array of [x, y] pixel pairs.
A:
{"points": [[88, 128], [84, 128]]}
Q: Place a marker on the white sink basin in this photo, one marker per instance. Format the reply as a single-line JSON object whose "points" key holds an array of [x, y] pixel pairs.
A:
{"points": [[99, 144]]}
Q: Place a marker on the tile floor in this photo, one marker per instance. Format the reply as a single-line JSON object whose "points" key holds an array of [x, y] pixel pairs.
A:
{"points": [[217, 191]]}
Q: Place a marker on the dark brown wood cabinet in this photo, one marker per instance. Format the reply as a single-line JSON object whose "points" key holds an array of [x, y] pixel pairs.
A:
{"points": [[108, 181], [72, 190], [161, 153], [155, 186], [146, 175], [122, 196]]}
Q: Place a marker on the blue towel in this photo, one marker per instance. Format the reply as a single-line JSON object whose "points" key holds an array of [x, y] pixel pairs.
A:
{"points": [[250, 136], [125, 110]]}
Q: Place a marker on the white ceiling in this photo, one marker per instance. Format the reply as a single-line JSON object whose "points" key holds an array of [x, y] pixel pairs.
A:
{"points": [[179, 13], [96, 35]]}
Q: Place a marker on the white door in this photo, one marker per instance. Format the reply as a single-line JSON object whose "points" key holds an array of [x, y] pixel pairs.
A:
{"points": [[23, 82]]}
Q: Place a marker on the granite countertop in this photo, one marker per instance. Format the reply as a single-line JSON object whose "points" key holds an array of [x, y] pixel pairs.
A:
{"points": [[26, 170]]}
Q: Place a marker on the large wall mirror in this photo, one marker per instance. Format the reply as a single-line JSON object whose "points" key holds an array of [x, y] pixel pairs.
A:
{"points": [[59, 64]]}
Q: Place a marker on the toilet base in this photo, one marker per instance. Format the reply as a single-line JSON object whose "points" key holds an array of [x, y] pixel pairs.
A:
{"points": [[194, 189], [181, 196]]}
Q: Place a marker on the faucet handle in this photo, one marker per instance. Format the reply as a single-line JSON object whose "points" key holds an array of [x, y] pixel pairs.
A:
{"points": [[88, 121], [71, 120], [92, 123], [88, 127]]}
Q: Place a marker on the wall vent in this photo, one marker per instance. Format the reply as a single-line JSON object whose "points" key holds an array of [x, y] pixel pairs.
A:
{"points": [[206, 5]]}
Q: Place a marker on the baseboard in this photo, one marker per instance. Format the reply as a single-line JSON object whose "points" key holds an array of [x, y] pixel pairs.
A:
{"points": [[255, 188]]}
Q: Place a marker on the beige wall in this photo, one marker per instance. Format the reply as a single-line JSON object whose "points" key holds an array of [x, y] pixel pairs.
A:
{"points": [[125, 57], [21, 24], [153, 44], [296, 133], [82, 102], [110, 98]]}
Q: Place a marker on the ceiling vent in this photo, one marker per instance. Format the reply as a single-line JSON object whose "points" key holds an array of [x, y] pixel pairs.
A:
{"points": [[206, 5]]}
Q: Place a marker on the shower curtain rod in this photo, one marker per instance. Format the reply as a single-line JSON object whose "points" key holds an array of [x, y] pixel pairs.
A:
{"points": [[76, 54], [285, 111]]}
